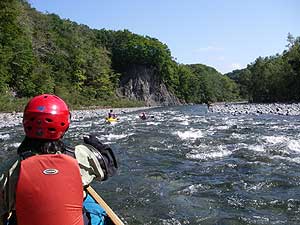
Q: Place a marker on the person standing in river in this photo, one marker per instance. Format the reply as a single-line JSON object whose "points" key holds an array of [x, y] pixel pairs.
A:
{"points": [[208, 104], [45, 182]]}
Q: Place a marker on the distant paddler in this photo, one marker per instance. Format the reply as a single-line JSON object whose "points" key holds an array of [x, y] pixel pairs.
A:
{"points": [[111, 117], [143, 116], [111, 114], [208, 104]]}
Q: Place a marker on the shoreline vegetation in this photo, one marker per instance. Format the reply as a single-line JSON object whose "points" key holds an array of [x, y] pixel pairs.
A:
{"points": [[13, 105]]}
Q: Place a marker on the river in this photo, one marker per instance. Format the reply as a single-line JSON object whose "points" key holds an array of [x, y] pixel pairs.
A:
{"points": [[185, 165]]}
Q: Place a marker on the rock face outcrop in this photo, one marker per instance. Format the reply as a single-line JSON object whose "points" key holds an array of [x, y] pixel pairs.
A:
{"points": [[143, 83]]}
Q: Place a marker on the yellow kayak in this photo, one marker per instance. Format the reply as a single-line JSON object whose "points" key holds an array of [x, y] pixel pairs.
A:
{"points": [[111, 120]]}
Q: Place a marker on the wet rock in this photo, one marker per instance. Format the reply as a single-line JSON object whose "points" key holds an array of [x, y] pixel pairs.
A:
{"points": [[143, 83], [257, 109]]}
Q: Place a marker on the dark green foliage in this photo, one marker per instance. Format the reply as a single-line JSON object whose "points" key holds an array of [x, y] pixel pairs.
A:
{"points": [[42, 53], [292, 67], [211, 86], [196, 83], [9, 103], [272, 79], [16, 56], [132, 49]]}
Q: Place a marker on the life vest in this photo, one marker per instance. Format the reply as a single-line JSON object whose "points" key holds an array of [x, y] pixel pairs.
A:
{"points": [[49, 191]]}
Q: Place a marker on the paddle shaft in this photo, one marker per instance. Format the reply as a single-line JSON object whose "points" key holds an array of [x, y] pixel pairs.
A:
{"points": [[114, 217]]}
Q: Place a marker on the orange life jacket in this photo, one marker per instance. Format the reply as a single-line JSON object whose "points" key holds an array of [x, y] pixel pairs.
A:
{"points": [[49, 191]]}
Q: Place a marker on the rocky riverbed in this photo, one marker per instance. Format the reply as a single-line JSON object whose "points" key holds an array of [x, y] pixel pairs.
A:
{"points": [[256, 109], [14, 119]]}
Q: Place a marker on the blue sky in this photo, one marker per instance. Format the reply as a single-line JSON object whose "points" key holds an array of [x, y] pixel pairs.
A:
{"points": [[224, 34]]}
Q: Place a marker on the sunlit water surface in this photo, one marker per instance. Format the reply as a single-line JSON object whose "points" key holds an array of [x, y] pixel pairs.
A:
{"points": [[187, 166]]}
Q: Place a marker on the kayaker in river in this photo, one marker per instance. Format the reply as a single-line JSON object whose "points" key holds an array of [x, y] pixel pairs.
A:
{"points": [[111, 114], [143, 116], [45, 182]]}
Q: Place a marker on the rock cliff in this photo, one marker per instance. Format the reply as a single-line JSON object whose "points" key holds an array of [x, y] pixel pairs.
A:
{"points": [[143, 83]]}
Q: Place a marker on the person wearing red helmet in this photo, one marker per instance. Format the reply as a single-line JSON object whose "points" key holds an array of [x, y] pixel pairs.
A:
{"points": [[46, 117], [44, 183]]}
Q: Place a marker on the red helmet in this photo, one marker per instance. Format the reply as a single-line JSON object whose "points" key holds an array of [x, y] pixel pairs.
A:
{"points": [[46, 117]]}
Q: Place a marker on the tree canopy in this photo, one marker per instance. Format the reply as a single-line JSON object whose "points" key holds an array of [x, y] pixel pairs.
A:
{"points": [[42, 53], [274, 78]]}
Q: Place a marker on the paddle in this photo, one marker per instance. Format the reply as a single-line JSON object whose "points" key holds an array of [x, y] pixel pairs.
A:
{"points": [[114, 217], [9, 219]]}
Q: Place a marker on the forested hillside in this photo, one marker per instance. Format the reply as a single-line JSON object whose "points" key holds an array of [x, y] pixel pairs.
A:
{"points": [[45, 54], [208, 85], [272, 79], [42, 53]]}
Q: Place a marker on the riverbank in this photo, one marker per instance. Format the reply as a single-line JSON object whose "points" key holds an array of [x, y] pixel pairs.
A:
{"points": [[257, 109], [15, 119]]}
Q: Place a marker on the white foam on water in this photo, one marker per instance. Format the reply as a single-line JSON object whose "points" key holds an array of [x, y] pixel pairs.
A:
{"points": [[256, 148], [285, 158], [172, 112], [242, 145], [170, 146], [97, 122], [152, 123], [220, 153], [112, 123], [185, 123], [172, 221], [294, 159], [294, 145], [256, 187], [116, 136], [181, 118], [189, 135], [77, 125], [238, 136], [230, 122], [194, 188], [201, 119], [276, 127], [154, 148], [15, 145], [221, 127], [4, 137], [275, 139], [231, 165], [11, 146], [257, 123]]}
